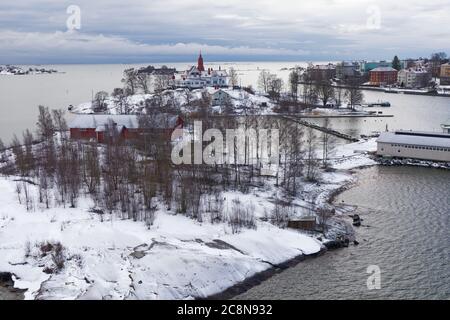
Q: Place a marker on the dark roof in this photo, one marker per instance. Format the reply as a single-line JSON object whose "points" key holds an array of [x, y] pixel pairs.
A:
{"points": [[383, 69], [160, 121], [432, 139]]}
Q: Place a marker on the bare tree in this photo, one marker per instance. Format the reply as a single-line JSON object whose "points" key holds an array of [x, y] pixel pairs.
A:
{"points": [[326, 141], [121, 101], [275, 86], [29, 156], [339, 94], [309, 94], [354, 94], [295, 158], [19, 155], [44, 188], [99, 103], [294, 79], [263, 81], [45, 124], [144, 82], [234, 78], [28, 197], [130, 81], [161, 82], [187, 94], [310, 161], [60, 121], [324, 91], [3, 157], [91, 169], [324, 215]]}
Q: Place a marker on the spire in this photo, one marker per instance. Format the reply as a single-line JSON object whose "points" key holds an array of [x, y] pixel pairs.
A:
{"points": [[200, 65]]}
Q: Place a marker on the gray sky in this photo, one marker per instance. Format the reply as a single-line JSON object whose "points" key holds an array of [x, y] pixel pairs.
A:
{"points": [[33, 31]]}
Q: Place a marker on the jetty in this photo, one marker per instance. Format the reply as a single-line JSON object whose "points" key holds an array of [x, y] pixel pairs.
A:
{"points": [[319, 128]]}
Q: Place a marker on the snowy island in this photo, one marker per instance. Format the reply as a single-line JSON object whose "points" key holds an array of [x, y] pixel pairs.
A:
{"points": [[19, 71], [114, 218]]}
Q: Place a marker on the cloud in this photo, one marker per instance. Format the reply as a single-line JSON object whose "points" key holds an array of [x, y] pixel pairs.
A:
{"points": [[63, 44], [322, 29]]}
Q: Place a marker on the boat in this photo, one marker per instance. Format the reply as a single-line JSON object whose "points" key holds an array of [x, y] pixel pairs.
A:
{"points": [[379, 104]]}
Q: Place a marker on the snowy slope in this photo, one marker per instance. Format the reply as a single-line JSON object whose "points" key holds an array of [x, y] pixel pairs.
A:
{"points": [[178, 258], [239, 98]]}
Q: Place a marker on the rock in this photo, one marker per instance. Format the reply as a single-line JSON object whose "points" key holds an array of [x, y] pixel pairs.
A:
{"points": [[6, 279], [355, 242], [356, 220], [346, 242], [138, 254], [47, 270]]}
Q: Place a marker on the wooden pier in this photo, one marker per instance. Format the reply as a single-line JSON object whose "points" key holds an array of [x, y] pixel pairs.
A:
{"points": [[319, 128]]}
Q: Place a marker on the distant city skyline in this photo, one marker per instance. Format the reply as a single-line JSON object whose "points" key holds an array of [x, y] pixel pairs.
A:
{"points": [[139, 31]]}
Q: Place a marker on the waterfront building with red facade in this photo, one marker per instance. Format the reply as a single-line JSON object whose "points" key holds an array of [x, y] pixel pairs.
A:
{"points": [[383, 76]]}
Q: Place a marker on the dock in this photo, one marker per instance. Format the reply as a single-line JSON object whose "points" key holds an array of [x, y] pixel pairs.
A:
{"points": [[319, 128], [322, 116], [298, 118]]}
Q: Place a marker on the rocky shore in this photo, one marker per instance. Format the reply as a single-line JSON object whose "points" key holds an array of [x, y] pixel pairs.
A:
{"points": [[7, 290]]}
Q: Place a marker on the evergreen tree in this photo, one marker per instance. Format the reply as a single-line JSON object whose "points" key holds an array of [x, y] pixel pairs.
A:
{"points": [[396, 64]]}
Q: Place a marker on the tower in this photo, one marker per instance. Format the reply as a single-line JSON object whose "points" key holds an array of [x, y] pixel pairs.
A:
{"points": [[200, 65]]}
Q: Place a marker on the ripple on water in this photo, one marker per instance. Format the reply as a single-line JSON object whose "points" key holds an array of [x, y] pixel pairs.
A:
{"points": [[407, 209]]}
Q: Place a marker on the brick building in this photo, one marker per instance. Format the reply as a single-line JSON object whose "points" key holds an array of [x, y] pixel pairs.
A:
{"points": [[383, 76]]}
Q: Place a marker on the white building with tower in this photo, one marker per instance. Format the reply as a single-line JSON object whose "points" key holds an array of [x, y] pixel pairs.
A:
{"points": [[198, 77]]}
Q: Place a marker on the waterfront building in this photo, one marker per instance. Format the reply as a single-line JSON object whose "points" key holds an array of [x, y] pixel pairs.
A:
{"points": [[321, 72], [347, 70], [198, 77], [367, 66], [413, 78], [409, 63], [383, 76], [237, 98], [445, 74], [414, 144]]}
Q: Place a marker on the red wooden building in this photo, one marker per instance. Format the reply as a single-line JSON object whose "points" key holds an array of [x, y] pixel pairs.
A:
{"points": [[383, 76], [126, 126]]}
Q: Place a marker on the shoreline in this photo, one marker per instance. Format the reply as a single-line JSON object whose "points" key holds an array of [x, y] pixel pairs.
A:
{"points": [[262, 276], [7, 289], [322, 194], [265, 275]]}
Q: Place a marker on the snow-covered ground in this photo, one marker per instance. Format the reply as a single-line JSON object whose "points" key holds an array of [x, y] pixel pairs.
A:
{"points": [[177, 258], [353, 155], [182, 99]]}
